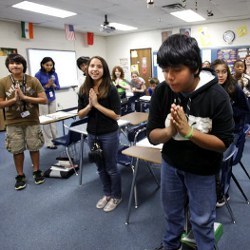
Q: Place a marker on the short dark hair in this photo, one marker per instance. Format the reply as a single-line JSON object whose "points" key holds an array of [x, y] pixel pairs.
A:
{"points": [[45, 60], [82, 60], [179, 49], [17, 58]]}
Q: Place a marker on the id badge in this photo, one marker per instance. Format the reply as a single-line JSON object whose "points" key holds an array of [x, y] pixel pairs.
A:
{"points": [[25, 114], [51, 94]]}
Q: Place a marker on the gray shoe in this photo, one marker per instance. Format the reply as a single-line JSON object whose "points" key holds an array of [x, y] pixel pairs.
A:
{"points": [[103, 202], [112, 204]]}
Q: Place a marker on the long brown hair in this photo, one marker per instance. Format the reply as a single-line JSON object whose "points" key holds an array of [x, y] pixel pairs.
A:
{"points": [[230, 84], [89, 83], [120, 69]]}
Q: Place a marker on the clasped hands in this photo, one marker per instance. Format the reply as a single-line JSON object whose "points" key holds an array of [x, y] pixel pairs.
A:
{"points": [[19, 94], [179, 121], [92, 98]]}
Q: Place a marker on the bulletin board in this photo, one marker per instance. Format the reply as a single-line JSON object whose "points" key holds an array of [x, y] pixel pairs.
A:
{"points": [[65, 64]]}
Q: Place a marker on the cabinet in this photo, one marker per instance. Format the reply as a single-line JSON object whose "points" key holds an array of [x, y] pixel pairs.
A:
{"points": [[2, 126]]}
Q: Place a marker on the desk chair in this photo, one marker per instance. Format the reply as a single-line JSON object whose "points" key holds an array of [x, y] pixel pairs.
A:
{"points": [[226, 174], [70, 139], [239, 142], [134, 135]]}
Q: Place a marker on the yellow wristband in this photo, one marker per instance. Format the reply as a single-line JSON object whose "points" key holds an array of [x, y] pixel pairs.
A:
{"points": [[190, 134]]}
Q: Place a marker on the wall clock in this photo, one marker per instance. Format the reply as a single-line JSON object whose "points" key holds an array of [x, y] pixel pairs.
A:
{"points": [[229, 36]]}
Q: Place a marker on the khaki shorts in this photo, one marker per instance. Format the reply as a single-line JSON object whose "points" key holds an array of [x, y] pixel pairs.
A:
{"points": [[19, 138]]}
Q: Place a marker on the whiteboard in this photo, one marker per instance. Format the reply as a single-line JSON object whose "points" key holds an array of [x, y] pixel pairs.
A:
{"points": [[65, 64]]}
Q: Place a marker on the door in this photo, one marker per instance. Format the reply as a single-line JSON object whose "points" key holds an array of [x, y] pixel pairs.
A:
{"points": [[141, 61]]}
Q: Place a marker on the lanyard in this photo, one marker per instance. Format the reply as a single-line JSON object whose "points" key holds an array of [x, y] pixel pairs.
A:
{"points": [[23, 87]]}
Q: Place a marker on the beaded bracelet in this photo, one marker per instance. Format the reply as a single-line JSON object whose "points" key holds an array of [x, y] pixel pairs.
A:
{"points": [[190, 134]]}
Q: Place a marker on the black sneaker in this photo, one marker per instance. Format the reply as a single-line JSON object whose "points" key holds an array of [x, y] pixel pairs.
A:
{"points": [[221, 201], [20, 182], [38, 177]]}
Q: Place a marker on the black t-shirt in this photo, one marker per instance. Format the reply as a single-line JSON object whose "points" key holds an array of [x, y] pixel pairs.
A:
{"points": [[98, 123]]}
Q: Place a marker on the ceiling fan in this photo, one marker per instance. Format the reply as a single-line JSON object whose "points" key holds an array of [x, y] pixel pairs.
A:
{"points": [[105, 27]]}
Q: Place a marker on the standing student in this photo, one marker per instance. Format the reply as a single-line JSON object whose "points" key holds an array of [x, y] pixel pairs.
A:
{"points": [[82, 63], [20, 95], [237, 97], [239, 104], [119, 81], [49, 80], [191, 114], [99, 100]]}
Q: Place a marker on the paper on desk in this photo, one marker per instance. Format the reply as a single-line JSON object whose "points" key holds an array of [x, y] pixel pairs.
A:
{"points": [[145, 143]]}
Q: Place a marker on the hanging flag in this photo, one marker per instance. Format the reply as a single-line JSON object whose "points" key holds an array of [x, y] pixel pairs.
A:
{"points": [[90, 38], [69, 32], [27, 30]]}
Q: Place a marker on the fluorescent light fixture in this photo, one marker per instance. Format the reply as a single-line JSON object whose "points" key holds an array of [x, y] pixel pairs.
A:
{"points": [[42, 9], [188, 16], [122, 27]]}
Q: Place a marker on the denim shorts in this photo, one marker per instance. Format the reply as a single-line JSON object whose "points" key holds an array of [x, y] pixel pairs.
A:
{"points": [[19, 138]]}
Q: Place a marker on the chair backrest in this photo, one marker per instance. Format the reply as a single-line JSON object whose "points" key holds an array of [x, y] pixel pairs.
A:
{"points": [[240, 143], [136, 133], [74, 137], [226, 167]]}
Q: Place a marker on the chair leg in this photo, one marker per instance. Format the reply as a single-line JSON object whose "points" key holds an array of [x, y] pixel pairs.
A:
{"points": [[241, 190], [153, 174], [135, 188], [132, 191], [229, 209], [244, 169], [70, 160]]}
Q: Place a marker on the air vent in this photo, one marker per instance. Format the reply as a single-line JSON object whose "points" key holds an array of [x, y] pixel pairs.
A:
{"points": [[174, 6]]}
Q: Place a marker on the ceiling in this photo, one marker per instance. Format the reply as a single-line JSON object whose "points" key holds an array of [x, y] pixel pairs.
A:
{"points": [[90, 13]]}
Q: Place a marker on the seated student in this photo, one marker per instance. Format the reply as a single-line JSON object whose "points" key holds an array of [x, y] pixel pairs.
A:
{"points": [[119, 81], [138, 85], [153, 82], [239, 105]]}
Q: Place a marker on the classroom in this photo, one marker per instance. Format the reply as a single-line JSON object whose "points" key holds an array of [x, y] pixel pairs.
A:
{"points": [[61, 213]]}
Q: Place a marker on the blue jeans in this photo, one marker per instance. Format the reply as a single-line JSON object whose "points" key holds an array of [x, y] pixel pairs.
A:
{"points": [[108, 171], [176, 187]]}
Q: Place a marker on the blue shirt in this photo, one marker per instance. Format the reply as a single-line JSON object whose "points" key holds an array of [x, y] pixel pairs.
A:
{"points": [[44, 77]]}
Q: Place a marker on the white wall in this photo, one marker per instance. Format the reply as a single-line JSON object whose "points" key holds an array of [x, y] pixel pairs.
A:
{"points": [[112, 48]]}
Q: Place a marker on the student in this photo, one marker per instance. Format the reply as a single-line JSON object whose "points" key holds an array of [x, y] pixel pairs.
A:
{"points": [[191, 114], [20, 95], [242, 78], [138, 86], [119, 81], [49, 80], [82, 63], [153, 82], [99, 100], [237, 96], [206, 64]]}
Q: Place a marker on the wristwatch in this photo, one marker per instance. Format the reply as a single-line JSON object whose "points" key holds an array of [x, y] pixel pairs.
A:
{"points": [[228, 36]]}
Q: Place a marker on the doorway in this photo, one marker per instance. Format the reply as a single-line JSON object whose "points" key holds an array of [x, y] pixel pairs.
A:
{"points": [[141, 61]]}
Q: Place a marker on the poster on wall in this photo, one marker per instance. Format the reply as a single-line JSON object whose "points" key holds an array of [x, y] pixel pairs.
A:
{"points": [[7, 51], [134, 67], [124, 65], [228, 55], [165, 35]]}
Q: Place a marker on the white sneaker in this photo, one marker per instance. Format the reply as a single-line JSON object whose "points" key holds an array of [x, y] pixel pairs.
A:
{"points": [[112, 204], [103, 202]]}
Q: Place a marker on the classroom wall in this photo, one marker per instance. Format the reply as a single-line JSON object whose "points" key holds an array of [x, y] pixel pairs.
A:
{"points": [[45, 38], [115, 47], [208, 36]]}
